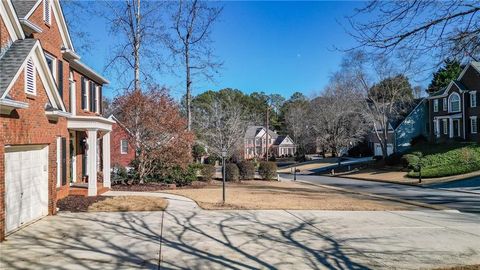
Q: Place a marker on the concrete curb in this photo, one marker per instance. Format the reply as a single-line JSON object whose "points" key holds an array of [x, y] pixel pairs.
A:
{"points": [[419, 204]]}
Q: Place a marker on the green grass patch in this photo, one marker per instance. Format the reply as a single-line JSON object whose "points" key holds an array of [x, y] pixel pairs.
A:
{"points": [[439, 160]]}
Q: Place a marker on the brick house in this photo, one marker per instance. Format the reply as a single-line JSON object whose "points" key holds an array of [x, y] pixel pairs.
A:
{"points": [[122, 152], [454, 111], [255, 143], [52, 134]]}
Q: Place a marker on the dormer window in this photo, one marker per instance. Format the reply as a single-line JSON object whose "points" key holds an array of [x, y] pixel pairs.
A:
{"points": [[46, 12], [30, 82], [454, 102]]}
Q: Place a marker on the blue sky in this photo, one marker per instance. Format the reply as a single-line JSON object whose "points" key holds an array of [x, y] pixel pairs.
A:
{"points": [[275, 47]]}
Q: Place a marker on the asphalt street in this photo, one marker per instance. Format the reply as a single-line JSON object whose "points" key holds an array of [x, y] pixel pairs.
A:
{"points": [[460, 195]]}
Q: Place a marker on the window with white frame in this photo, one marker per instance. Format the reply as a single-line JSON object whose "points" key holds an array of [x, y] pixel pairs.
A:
{"points": [[51, 62], [473, 125], [454, 102], [30, 78], [435, 105], [47, 12], [445, 126], [435, 127], [123, 146], [444, 105], [473, 99]]}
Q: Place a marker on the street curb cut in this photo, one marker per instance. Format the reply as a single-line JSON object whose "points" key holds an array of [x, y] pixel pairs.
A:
{"points": [[424, 205]]}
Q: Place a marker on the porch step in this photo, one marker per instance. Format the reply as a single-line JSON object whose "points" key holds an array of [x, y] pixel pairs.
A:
{"points": [[81, 189]]}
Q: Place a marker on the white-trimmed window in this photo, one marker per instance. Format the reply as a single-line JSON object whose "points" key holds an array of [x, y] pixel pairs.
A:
{"points": [[445, 104], [52, 64], [47, 15], [30, 78], [473, 99], [454, 102], [473, 125], [123, 147], [435, 105], [445, 126]]}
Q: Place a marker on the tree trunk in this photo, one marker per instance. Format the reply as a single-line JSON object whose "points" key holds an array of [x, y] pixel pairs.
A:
{"points": [[189, 94], [137, 49]]}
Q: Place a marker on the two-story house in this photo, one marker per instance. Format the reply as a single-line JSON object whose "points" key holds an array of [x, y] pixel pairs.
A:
{"points": [[255, 143], [52, 134], [454, 111]]}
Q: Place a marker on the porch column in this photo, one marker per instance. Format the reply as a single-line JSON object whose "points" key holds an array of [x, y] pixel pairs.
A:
{"points": [[106, 160], [92, 162], [450, 127]]}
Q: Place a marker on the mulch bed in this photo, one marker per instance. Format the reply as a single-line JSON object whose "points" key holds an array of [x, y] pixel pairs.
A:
{"points": [[78, 203], [149, 187]]}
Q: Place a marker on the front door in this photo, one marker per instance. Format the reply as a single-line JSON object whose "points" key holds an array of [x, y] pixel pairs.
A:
{"points": [[456, 127], [73, 156]]}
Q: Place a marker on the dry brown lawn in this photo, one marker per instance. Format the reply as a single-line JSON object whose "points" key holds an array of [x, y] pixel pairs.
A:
{"points": [[129, 203], [284, 195]]}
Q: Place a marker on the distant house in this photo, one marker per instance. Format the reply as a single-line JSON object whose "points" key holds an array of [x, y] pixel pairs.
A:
{"points": [[121, 149], [255, 143], [401, 133], [454, 110]]}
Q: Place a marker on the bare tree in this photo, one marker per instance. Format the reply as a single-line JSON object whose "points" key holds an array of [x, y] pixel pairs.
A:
{"points": [[137, 27], [296, 120], [191, 44], [220, 124], [417, 28], [382, 102], [336, 118]]}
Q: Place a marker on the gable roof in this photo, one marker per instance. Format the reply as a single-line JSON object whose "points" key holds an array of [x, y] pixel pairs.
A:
{"points": [[420, 102], [252, 132], [13, 63], [9, 16], [13, 59], [24, 7]]}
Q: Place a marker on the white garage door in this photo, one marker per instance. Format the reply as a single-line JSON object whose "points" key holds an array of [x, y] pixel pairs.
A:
{"points": [[26, 185], [378, 149]]}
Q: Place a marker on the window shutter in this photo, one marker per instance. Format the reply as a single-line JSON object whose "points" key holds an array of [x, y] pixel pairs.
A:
{"points": [[100, 105], [84, 101], [60, 77], [30, 85], [64, 161], [92, 97]]}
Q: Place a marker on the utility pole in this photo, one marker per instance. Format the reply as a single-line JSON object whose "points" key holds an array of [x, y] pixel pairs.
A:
{"points": [[266, 145]]}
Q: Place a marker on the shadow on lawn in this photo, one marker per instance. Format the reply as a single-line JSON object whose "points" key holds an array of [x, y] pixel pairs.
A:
{"points": [[190, 240]]}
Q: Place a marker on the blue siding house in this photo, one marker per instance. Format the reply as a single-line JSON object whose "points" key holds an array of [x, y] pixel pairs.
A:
{"points": [[413, 125]]}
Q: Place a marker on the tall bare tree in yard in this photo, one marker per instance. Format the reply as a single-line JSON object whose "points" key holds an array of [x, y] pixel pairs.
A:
{"points": [[156, 128], [137, 28], [191, 43], [296, 116], [383, 102], [440, 29], [336, 118], [220, 124]]}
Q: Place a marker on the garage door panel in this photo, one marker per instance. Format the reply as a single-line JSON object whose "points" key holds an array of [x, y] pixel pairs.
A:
{"points": [[26, 185]]}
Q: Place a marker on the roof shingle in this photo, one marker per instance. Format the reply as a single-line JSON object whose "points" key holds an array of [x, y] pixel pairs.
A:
{"points": [[22, 7]]}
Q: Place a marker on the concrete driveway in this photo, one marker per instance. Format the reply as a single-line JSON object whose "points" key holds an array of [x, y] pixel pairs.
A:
{"points": [[192, 238]]}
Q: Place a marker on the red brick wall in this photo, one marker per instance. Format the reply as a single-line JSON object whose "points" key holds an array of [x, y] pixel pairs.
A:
{"points": [[31, 126], [52, 43], [117, 158], [4, 35]]}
